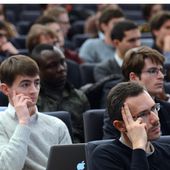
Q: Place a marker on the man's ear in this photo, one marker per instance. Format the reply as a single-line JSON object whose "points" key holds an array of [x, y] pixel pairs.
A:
{"points": [[133, 76], [103, 27], [155, 32], [4, 88], [119, 125], [116, 42]]}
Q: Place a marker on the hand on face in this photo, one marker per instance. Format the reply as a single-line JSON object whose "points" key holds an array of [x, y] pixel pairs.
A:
{"points": [[8, 47], [23, 105], [136, 129]]}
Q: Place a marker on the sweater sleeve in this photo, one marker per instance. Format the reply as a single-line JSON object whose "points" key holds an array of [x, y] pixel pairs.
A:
{"points": [[13, 151], [139, 160], [86, 52], [64, 136]]}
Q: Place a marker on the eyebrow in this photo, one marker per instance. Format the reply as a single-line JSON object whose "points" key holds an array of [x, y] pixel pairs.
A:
{"points": [[134, 39], [146, 110], [28, 81]]}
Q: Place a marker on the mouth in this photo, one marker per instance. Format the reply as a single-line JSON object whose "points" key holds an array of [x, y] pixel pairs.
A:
{"points": [[156, 129], [33, 99], [160, 83]]}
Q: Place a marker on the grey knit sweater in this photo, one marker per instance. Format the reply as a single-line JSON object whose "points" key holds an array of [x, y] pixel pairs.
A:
{"points": [[26, 147]]}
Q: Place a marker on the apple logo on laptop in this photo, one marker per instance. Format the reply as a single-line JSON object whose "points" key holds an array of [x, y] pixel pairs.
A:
{"points": [[81, 166]]}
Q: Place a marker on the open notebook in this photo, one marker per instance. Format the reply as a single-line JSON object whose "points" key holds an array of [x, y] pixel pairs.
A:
{"points": [[67, 157]]}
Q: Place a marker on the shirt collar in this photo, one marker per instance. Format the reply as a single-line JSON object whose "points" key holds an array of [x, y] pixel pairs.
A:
{"points": [[118, 60], [11, 110], [152, 149]]}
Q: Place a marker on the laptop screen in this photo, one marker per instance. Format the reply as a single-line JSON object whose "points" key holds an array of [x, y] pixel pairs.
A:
{"points": [[67, 157]]}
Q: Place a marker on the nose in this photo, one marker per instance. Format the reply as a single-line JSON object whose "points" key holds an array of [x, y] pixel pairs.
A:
{"points": [[137, 43], [154, 117], [61, 67], [33, 88], [160, 74]]}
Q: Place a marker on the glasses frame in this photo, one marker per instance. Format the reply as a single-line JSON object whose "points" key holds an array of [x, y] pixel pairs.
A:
{"points": [[155, 71], [144, 114]]}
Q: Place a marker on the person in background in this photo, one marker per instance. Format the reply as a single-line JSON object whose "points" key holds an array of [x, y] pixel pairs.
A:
{"points": [[54, 25], [26, 134], [97, 50], [160, 24], [56, 92], [91, 26], [125, 35], [6, 47], [11, 27], [148, 11], [39, 34], [61, 15]]}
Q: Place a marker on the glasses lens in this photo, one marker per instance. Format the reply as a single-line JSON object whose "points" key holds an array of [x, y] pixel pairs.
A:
{"points": [[155, 71], [157, 107]]}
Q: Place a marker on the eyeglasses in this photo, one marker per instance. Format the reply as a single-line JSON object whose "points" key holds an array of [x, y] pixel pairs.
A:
{"points": [[146, 113], [154, 71]]}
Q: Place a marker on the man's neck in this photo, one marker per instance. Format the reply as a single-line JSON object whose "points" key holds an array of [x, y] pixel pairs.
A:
{"points": [[119, 54], [159, 45], [108, 40]]}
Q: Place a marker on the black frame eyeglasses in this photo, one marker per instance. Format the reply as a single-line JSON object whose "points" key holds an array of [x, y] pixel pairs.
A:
{"points": [[145, 113], [154, 71]]}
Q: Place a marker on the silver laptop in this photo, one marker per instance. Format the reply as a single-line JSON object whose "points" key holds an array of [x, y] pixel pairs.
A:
{"points": [[67, 157]]}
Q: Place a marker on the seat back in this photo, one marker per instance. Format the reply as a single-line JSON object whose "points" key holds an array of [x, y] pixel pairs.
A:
{"points": [[29, 15], [23, 27], [65, 117], [86, 71], [93, 124], [90, 146], [73, 73], [167, 68], [79, 39], [147, 41], [2, 108], [19, 42], [76, 28], [3, 99], [164, 139]]}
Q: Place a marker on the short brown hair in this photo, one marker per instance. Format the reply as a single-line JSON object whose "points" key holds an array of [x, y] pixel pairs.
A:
{"points": [[117, 96], [16, 65], [34, 34], [158, 20], [108, 14], [134, 60], [55, 12]]}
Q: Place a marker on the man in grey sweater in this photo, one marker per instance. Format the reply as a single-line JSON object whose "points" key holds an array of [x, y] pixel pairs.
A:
{"points": [[25, 134]]}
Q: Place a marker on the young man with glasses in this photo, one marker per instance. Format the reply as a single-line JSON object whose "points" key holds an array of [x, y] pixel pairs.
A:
{"points": [[145, 66], [133, 112]]}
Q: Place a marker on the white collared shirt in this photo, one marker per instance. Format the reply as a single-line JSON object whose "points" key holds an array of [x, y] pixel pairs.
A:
{"points": [[11, 111], [118, 60]]}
